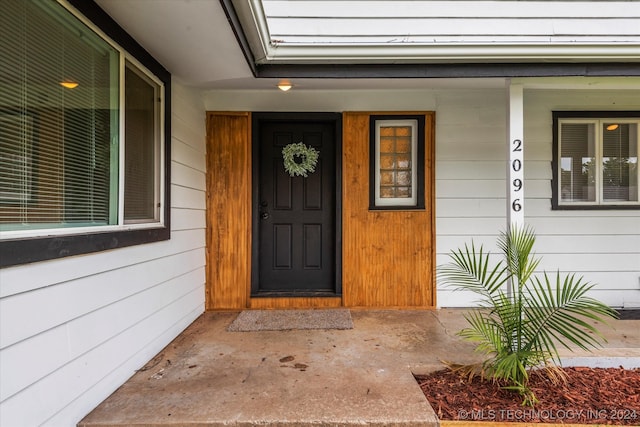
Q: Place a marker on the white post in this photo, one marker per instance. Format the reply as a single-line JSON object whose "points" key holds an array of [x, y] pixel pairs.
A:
{"points": [[515, 164]]}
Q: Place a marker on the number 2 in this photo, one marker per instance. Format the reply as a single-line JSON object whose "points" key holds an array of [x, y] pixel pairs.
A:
{"points": [[518, 145]]}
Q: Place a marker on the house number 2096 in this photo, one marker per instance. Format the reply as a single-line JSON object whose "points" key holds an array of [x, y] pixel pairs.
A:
{"points": [[516, 166]]}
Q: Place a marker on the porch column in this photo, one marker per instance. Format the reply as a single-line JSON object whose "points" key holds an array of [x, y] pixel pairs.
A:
{"points": [[515, 147]]}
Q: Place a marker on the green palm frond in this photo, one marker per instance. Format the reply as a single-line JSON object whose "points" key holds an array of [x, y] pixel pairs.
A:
{"points": [[485, 331], [517, 246], [560, 314], [469, 269], [511, 367], [522, 329]]}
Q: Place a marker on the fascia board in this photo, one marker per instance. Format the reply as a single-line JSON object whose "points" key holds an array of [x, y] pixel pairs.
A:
{"points": [[452, 53]]}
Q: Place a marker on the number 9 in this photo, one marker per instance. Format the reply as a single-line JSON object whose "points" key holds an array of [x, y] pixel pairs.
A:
{"points": [[517, 183]]}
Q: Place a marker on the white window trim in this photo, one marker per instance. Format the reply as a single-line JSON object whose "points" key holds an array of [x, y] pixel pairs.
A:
{"points": [[398, 201], [597, 122], [159, 151], [159, 109]]}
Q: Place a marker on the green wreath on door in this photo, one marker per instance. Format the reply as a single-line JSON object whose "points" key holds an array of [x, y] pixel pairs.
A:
{"points": [[300, 159]]}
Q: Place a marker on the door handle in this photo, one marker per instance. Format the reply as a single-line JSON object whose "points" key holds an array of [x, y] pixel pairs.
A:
{"points": [[264, 215]]}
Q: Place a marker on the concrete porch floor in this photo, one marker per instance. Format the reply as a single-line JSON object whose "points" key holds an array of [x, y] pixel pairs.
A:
{"points": [[363, 376]]}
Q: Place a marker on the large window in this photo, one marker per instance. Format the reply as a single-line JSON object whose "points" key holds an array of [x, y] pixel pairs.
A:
{"points": [[82, 132], [397, 162], [596, 160]]}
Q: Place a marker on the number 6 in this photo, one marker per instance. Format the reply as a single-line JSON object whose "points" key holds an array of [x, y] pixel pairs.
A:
{"points": [[516, 206]]}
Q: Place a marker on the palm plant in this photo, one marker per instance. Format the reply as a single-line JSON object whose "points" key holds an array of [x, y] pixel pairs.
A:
{"points": [[522, 318]]}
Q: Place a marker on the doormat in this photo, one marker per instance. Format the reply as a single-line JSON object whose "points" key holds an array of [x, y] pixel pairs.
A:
{"points": [[287, 320]]}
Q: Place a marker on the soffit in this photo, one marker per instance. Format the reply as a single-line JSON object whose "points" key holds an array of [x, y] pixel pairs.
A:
{"points": [[424, 31], [198, 43]]}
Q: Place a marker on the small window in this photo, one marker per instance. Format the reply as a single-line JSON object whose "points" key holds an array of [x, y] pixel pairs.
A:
{"points": [[596, 160], [397, 162], [142, 158], [82, 135]]}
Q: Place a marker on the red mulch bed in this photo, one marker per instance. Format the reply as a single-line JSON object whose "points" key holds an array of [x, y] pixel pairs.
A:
{"points": [[590, 396]]}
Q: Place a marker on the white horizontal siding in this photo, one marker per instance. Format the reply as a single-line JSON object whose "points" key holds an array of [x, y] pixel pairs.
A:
{"points": [[449, 9], [318, 29], [67, 385], [581, 264], [601, 245], [321, 100], [73, 338], [61, 303], [576, 245], [66, 269], [470, 175], [487, 188], [428, 22], [616, 270], [185, 154], [609, 297], [187, 219], [483, 152], [73, 330], [465, 169]]}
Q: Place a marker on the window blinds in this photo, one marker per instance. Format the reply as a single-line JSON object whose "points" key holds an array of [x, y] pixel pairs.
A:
{"points": [[58, 145]]}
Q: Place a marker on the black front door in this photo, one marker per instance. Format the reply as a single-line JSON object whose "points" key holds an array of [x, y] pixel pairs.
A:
{"points": [[294, 216]]}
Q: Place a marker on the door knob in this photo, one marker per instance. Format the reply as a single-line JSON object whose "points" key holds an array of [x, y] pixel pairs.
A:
{"points": [[264, 215]]}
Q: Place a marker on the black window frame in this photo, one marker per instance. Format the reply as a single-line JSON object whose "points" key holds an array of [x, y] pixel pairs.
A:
{"points": [[34, 249], [420, 167], [557, 116]]}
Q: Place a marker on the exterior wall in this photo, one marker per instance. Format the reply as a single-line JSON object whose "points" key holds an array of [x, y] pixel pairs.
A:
{"points": [[603, 246], [73, 330], [470, 175]]}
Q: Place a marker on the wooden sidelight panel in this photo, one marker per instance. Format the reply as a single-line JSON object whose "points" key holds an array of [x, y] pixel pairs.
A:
{"points": [[228, 210], [388, 255]]}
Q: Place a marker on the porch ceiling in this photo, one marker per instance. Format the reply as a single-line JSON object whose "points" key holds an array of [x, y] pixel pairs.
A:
{"points": [[195, 41]]}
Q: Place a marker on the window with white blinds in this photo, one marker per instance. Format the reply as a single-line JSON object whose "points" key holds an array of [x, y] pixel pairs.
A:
{"points": [[80, 127], [597, 161]]}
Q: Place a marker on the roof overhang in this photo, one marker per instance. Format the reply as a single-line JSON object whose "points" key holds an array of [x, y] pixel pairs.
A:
{"points": [[441, 57]]}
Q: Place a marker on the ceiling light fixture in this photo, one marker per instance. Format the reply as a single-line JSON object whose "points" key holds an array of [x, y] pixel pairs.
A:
{"points": [[69, 85], [284, 85], [613, 126]]}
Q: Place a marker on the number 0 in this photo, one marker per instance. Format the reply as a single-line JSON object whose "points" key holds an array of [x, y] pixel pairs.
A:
{"points": [[516, 165]]}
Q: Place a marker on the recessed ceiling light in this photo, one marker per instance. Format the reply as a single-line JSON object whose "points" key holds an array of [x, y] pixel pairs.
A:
{"points": [[284, 85], [613, 126], [69, 85]]}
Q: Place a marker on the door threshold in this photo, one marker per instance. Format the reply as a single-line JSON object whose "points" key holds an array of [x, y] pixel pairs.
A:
{"points": [[305, 294]]}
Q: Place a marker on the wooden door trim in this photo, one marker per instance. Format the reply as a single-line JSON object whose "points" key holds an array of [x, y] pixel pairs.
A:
{"points": [[256, 120]]}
